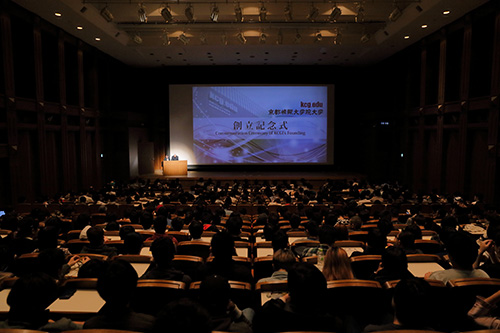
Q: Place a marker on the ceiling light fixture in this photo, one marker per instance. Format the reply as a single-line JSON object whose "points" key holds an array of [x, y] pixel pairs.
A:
{"points": [[166, 39], [313, 13], [262, 38], [279, 40], [167, 14], [446, 12], [189, 12], [288, 12], [365, 38], [98, 39], [298, 38], [406, 37], [57, 14], [318, 37], [183, 38], [335, 14], [106, 13], [238, 13], [360, 15], [214, 13], [137, 39], [262, 13], [79, 27], [424, 26], [141, 12], [337, 39], [241, 38], [396, 13]]}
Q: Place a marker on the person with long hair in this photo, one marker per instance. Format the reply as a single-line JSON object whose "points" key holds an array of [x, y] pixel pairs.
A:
{"points": [[337, 265]]}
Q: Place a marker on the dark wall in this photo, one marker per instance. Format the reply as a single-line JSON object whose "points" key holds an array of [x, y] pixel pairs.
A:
{"points": [[64, 103]]}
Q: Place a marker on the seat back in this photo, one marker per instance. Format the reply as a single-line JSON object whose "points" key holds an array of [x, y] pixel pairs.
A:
{"points": [[194, 248], [363, 266], [271, 290], [189, 265], [152, 295]]}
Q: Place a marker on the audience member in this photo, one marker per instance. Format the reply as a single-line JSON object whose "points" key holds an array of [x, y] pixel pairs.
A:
{"points": [[183, 316], [163, 250], [282, 260], [394, 265], [337, 265], [96, 244], [116, 287]]}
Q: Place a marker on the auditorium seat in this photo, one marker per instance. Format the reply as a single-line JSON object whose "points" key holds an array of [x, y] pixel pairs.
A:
{"points": [[152, 295], [350, 246], [359, 236], [94, 256], [189, 265], [300, 245], [363, 266], [194, 248], [271, 290], [428, 246], [241, 293], [263, 248], [243, 249], [365, 301], [75, 246], [262, 267], [25, 264], [179, 235]]}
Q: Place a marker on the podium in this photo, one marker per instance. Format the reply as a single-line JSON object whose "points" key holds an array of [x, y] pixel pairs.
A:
{"points": [[175, 168]]}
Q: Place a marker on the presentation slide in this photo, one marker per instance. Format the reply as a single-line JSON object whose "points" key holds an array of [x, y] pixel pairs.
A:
{"points": [[240, 124]]}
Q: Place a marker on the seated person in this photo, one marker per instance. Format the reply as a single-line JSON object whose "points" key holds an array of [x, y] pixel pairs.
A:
{"points": [[163, 250], [233, 227], [282, 260], [302, 309], [406, 241], [174, 157], [326, 236], [224, 314], [28, 300], [337, 265], [411, 303], [116, 286], [95, 236], [375, 244], [182, 316], [394, 266], [279, 240], [195, 230], [463, 252], [132, 243], [223, 250]]}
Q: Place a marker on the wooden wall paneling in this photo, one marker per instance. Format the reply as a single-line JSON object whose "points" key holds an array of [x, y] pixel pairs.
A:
{"points": [[84, 160], [437, 181], [492, 192], [451, 151], [68, 180], [418, 144], [478, 154], [10, 101]]}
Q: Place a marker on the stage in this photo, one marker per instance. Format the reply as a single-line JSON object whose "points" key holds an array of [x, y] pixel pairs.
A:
{"points": [[314, 177]]}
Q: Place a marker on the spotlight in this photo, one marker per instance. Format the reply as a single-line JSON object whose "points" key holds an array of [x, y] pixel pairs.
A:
{"points": [[189, 12], [263, 13], [335, 14], [183, 38], [238, 14], [313, 13], [288, 12], [106, 13], [167, 14], [365, 38], [360, 16], [241, 38], [337, 39], [214, 14], [395, 14], [279, 41], [318, 37], [141, 12], [262, 38], [298, 38], [137, 39]]}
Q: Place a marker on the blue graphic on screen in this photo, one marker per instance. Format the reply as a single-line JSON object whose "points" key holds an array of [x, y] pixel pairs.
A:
{"points": [[260, 124]]}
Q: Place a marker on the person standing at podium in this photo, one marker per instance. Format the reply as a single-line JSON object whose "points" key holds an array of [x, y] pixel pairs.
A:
{"points": [[167, 158], [175, 157]]}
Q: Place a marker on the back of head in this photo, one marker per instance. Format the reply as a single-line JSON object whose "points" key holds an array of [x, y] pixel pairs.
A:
{"points": [[295, 221], [92, 268], [195, 229], [279, 240], [337, 264], [327, 234], [126, 229], [95, 235], [160, 224], [415, 230], [283, 259], [183, 316], [394, 259], [32, 293], [215, 294], [234, 224], [222, 245], [376, 239], [117, 283], [407, 239], [307, 287], [51, 261], [177, 224], [163, 250], [462, 249], [412, 299], [133, 243]]}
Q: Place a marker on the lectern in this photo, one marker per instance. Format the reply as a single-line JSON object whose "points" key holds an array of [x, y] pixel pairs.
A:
{"points": [[175, 168]]}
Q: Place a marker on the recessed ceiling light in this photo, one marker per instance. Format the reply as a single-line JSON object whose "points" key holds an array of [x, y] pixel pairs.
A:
{"points": [[407, 37], [79, 27], [98, 39], [446, 12], [424, 26], [57, 14]]}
